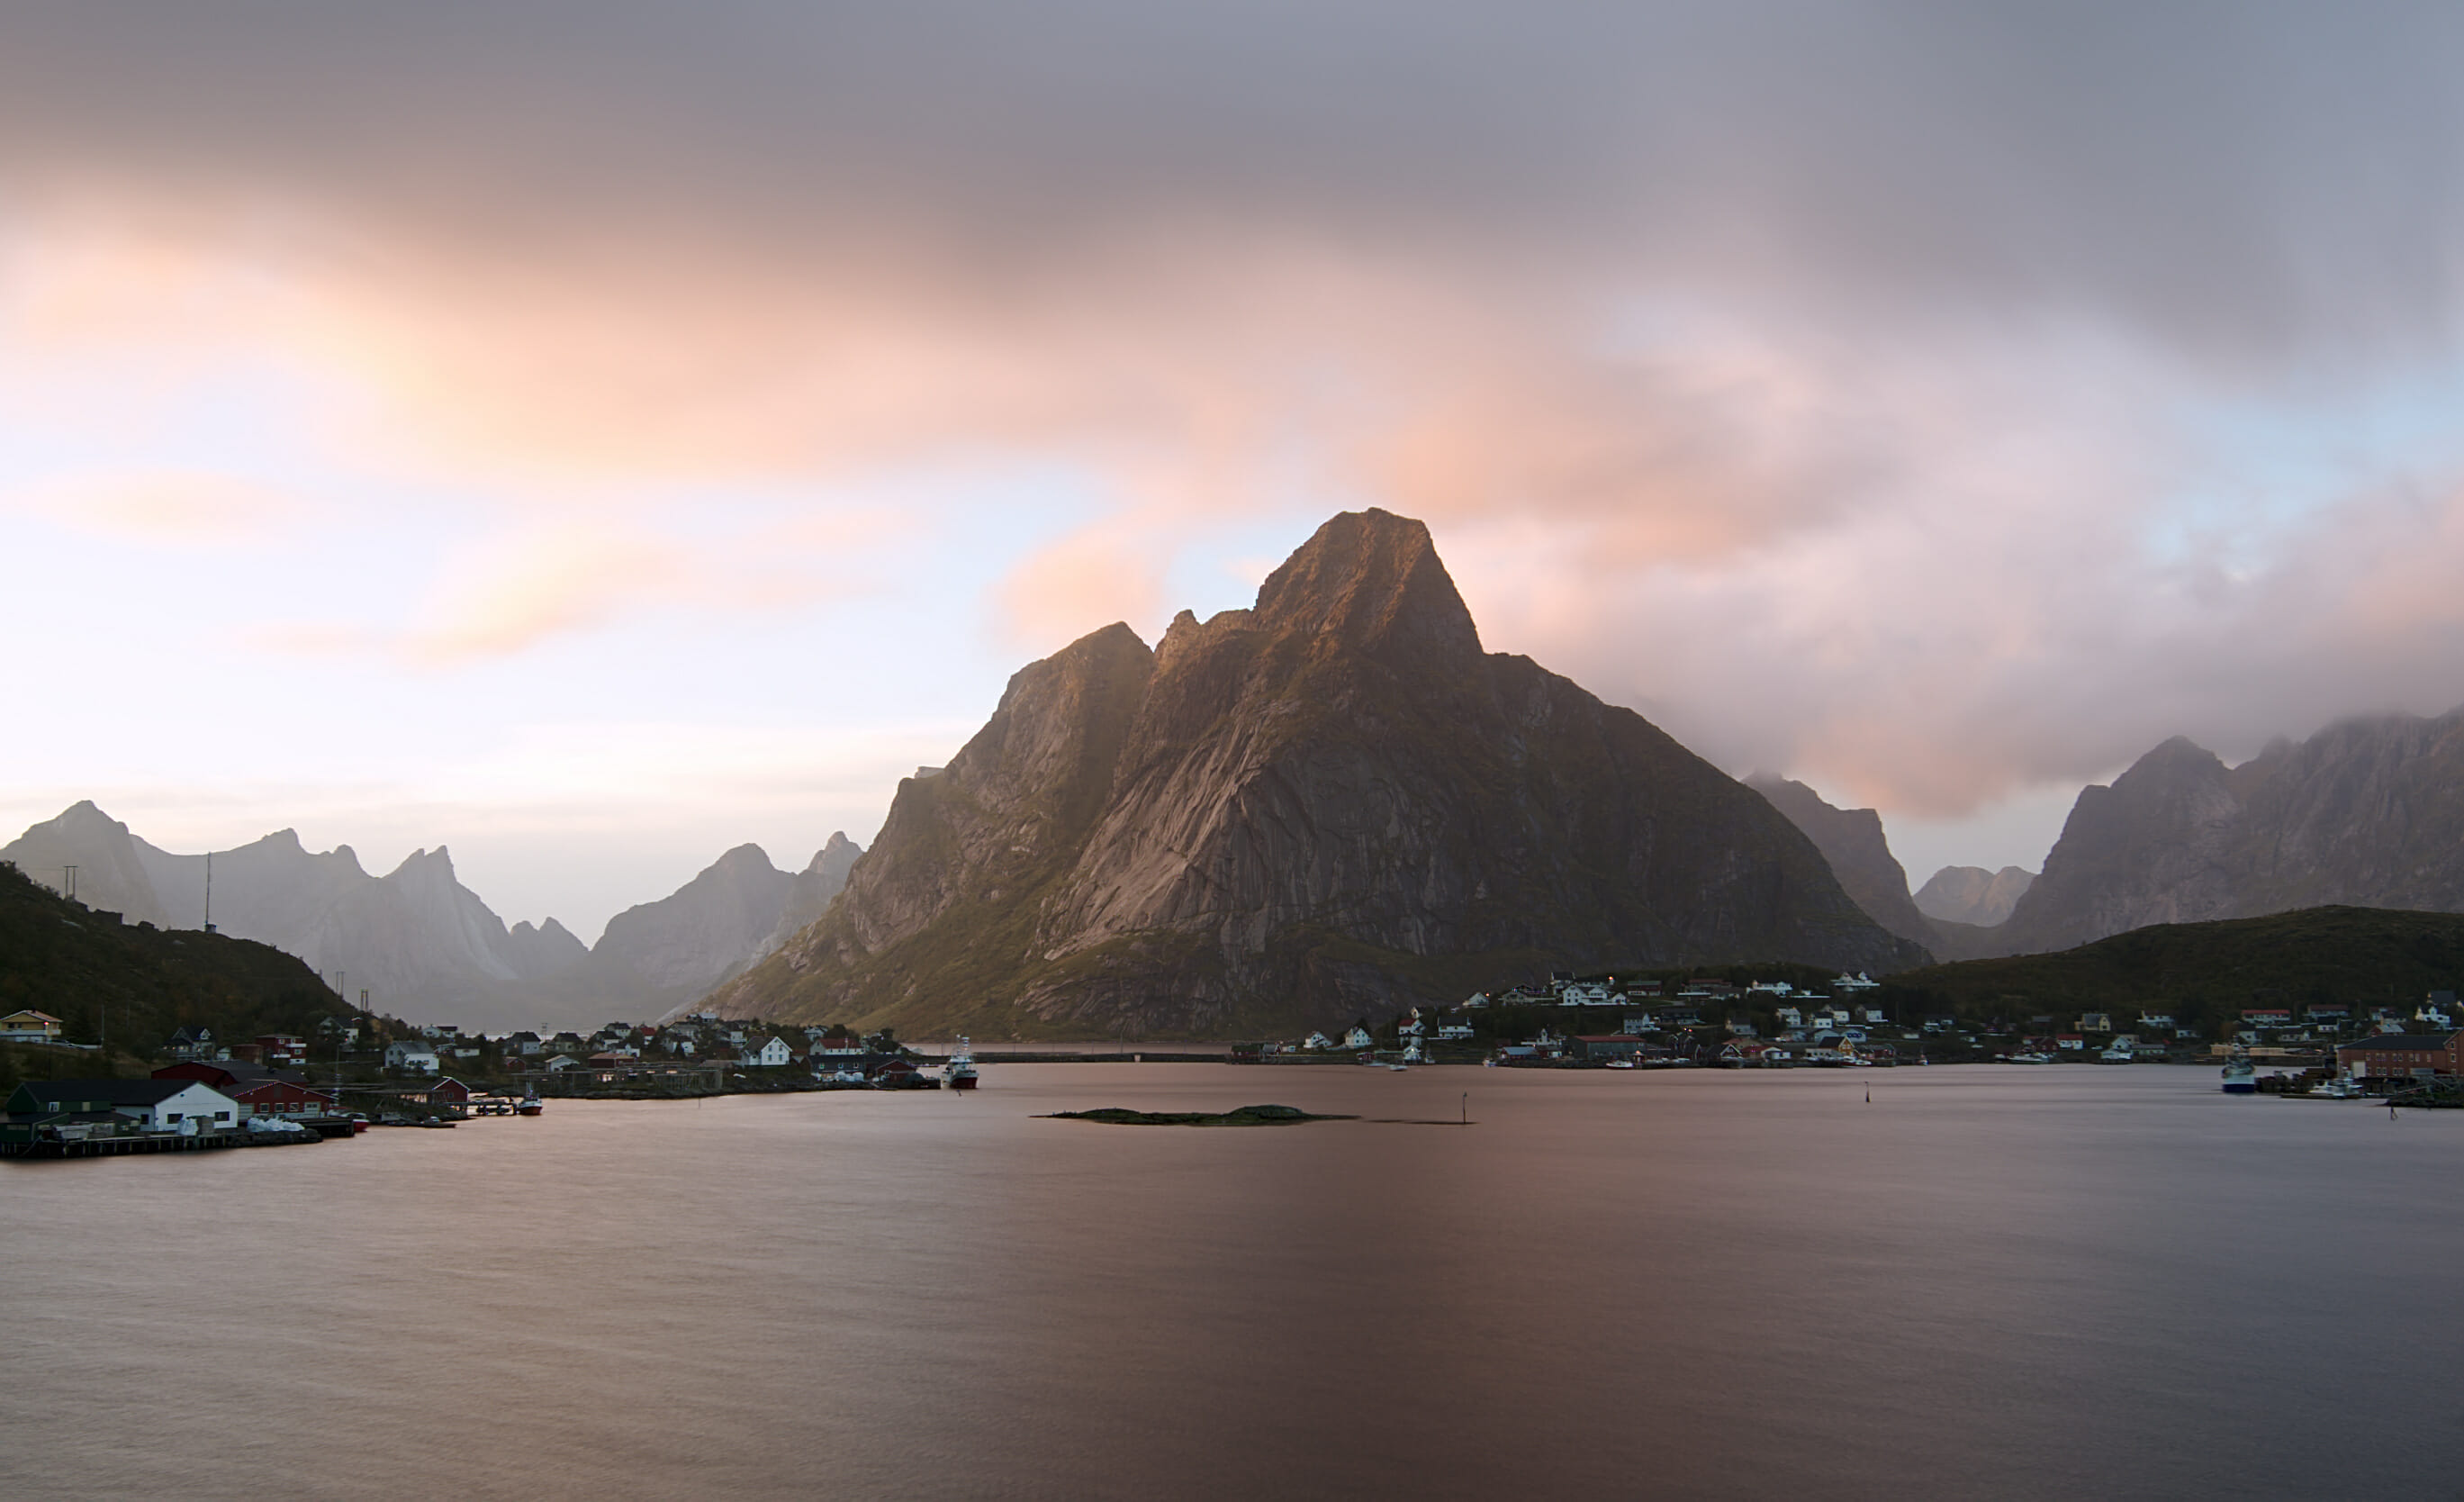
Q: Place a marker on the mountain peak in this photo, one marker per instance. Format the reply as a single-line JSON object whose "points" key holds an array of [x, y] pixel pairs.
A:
{"points": [[1372, 580], [748, 854]]}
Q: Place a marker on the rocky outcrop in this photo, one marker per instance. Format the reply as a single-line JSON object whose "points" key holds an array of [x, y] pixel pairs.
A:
{"points": [[1333, 803], [1852, 840], [2368, 813], [1972, 894]]}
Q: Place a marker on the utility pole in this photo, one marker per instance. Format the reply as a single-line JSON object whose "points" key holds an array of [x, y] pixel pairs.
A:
{"points": [[209, 891], [70, 872]]}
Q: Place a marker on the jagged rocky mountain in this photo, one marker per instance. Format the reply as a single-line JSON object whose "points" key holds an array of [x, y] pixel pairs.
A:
{"points": [[1333, 804], [422, 945], [1853, 842], [2368, 812], [1972, 894]]}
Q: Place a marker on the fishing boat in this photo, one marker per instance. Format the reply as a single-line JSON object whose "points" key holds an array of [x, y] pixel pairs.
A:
{"points": [[961, 1071], [2240, 1078], [530, 1105]]}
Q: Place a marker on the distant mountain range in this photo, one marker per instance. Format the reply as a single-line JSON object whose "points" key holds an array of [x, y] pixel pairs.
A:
{"points": [[1971, 894], [2368, 812], [422, 946], [1331, 804]]}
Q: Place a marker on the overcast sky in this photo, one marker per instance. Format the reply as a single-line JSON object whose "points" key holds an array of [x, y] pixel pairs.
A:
{"points": [[592, 435]]}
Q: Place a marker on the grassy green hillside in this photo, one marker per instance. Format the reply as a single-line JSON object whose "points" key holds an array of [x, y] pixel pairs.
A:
{"points": [[143, 984], [2206, 973]]}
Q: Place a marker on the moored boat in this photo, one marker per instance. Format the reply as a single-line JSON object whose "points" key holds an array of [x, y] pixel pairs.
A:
{"points": [[530, 1105], [2240, 1078], [961, 1069]]}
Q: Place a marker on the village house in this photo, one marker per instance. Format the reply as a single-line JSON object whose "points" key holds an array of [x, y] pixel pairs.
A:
{"points": [[29, 1027], [2095, 1022], [280, 1097], [770, 1055], [410, 1058], [1454, 1032], [190, 1042], [1358, 1038]]}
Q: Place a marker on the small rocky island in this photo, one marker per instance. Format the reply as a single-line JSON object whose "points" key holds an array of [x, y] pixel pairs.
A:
{"points": [[1246, 1116]]}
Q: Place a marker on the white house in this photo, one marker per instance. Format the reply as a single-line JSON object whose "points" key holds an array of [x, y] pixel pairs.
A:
{"points": [[1358, 1038], [411, 1058], [773, 1054], [1454, 1032], [1317, 1043]]}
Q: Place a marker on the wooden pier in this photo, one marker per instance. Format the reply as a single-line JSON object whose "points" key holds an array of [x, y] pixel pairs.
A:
{"points": [[120, 1144]]}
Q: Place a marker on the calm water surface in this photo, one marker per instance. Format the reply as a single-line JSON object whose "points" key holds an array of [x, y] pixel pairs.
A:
{"points": [[1989, 1282]]}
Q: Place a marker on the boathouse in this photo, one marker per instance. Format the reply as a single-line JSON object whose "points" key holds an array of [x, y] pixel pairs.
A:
{"points": [[157, 1105]]}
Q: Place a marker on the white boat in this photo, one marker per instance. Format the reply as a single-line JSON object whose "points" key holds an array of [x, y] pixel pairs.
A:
{"points": [[2240, 1077], [960, 1074]]}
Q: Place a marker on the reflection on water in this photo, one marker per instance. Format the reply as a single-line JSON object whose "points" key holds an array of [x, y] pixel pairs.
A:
{"points": [[1987, 1282]]}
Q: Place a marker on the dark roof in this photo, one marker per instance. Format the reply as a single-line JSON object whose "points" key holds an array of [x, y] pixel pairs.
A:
{"points": [[2407, 1042], [107, 1091]]}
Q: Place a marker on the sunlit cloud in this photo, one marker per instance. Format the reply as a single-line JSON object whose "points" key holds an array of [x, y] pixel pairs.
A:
{"points": [[169, 508], [1838, 385]]}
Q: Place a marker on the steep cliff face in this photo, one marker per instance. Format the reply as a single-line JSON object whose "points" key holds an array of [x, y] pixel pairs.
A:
{"points": [[2369, 813], [2154, 847], [1852, 840], [1971, 894], [1331, 803]]}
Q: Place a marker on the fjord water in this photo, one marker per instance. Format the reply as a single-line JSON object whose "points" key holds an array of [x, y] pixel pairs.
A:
{"points": [[1987, 1282]]}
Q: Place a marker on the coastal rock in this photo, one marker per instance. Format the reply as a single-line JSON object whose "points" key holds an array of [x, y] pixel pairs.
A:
{"points": [[1330, 804]]}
